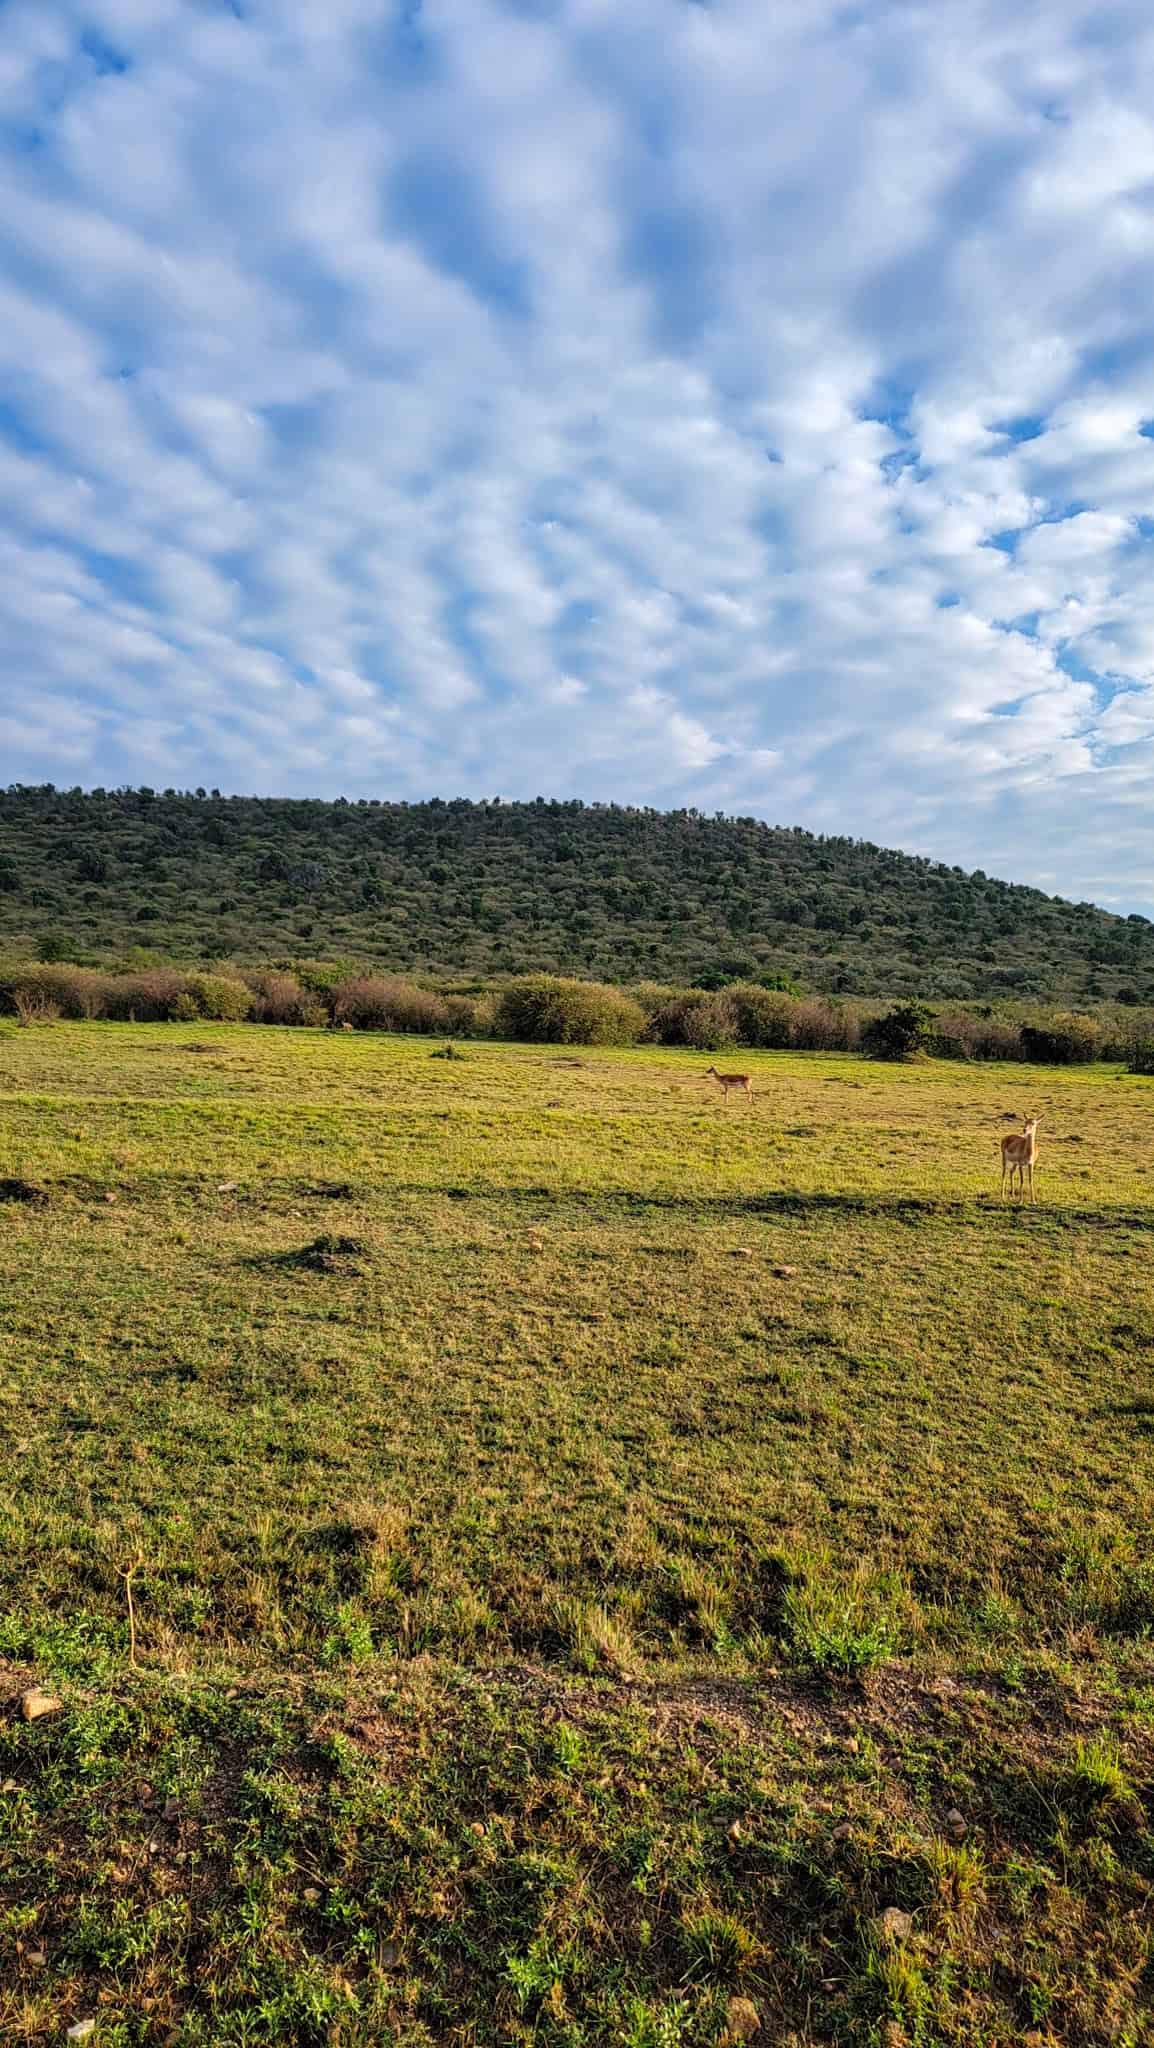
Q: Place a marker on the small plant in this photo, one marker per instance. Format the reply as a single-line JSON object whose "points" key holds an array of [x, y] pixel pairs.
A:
{"points": [[598, 1640], [535, 1976], [718, 1947], [838, 1632], [1096, 1778], [351, 1638]]}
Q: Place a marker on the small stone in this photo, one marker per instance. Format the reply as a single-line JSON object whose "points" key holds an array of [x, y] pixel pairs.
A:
{"points": [[956, 1825], [894, 1925], [36, 1702], [742, 2021], [9, 1785], [109, 1196], [227, 1187], [852, 1744], [37, 1957], [843, 1831], [829, 1983], [82, 2030], [741, 1251], [784, 1272], [733, 1833], [310, 1893]]}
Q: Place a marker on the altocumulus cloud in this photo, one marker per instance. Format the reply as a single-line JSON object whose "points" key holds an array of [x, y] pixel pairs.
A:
{"points": [[690, 401]]}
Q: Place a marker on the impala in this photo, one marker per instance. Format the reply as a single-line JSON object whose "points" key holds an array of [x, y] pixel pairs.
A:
{"points": [[727, 1081], [1019, 1151]]}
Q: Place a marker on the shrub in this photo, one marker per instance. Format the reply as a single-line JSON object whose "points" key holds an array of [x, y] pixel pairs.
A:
{"points": [[901, 1034], [1142, 1056], [45, 986], [706, 1022], [764, 1016], [819, 1025], [388, 1003], [280, 998], [1062, 1041], [654, 996], [147, 998], [470, 1016], [218, 996], [32, 1007], [961, 1035], [549, 1009], [163, 995]]}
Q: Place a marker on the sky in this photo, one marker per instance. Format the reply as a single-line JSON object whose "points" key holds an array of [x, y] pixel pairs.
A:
{"points": [[738, 403]]}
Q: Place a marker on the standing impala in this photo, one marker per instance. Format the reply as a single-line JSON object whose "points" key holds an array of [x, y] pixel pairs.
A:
{"points": [[727, 1081], [1019, 1151]]}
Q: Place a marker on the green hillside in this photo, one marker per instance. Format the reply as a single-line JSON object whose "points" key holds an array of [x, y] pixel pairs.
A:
{"points": [[462, 887]]}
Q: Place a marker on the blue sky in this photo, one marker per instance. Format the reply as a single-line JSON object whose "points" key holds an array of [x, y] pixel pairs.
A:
{"points": [[687, 401]]}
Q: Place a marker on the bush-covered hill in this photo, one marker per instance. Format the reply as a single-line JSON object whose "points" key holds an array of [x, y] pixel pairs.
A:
{"points": [[505, 888]]}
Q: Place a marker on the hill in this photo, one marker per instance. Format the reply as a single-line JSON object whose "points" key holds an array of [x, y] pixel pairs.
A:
{"points": [[480, 888]]}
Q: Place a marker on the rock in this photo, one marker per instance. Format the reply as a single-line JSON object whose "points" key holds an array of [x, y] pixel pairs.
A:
{"points": [[894, 1925], [733, 1833], [82, 2030], [742, 2021], [227, 1187], [956, 1826], [741, 1251], [852, 1744], [784, 1272], [310, 1893], [843, 1831], [36, 1958], [36, 1702], [9, 1785]]}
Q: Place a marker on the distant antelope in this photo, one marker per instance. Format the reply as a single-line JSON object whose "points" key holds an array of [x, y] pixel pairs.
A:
{"points": [[727, 1081], [1019, 1151]]}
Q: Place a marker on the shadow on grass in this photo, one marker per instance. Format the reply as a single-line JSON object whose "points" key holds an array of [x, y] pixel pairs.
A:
{"points": [[904, 1208], [1047, 1215]]}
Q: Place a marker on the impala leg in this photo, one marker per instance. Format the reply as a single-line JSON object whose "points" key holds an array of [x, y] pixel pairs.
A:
{"points": [[1033, 1196]]}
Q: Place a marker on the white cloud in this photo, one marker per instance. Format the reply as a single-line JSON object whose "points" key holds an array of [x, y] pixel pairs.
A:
{"points": [[707, 404]]}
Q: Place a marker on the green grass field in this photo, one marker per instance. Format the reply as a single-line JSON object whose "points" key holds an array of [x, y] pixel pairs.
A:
{"points": [[583, 1544]]}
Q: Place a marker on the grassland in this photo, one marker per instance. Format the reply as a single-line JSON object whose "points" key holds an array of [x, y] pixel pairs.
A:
{"points": [[584, 1543]]}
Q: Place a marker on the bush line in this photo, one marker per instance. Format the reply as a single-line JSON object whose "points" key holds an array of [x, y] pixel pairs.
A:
{"points": [[558, 1010]]}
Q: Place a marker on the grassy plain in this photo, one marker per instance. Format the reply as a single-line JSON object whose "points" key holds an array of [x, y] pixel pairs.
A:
{"points": [[584, 1543]]}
